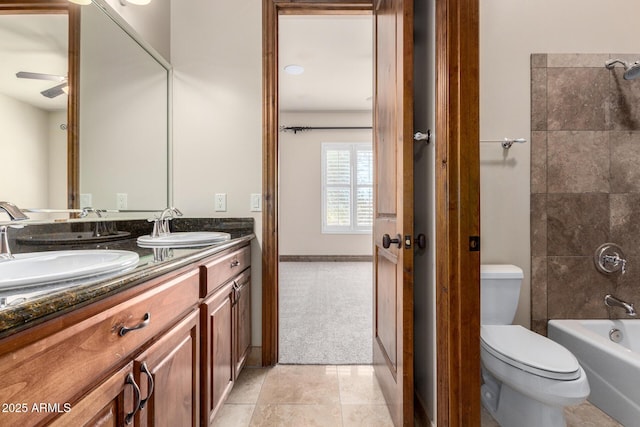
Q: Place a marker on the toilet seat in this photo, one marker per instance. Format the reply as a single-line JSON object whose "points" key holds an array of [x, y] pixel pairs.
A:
{"points": [[530, 352]]}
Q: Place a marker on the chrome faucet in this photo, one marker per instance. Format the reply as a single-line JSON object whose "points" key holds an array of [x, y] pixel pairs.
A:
{"points": [[100, 228], [15, 214], [161, 224], [13, 211], [88, 210], [611, 301]]}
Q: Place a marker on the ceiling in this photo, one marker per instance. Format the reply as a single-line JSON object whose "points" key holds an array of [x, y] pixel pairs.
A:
{"points": [[35, 43], [336, 53]]}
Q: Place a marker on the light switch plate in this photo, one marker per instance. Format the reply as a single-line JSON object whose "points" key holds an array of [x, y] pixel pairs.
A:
{"points": [[256, 202]]}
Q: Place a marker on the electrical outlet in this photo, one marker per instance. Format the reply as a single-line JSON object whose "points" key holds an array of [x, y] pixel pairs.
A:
{"points": [[256, 202], [221, 202], [85, 200], [121, 201]]}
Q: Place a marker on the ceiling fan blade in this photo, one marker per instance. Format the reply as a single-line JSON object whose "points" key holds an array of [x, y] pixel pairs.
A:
{"points": [[40, 76], [58, 90]]}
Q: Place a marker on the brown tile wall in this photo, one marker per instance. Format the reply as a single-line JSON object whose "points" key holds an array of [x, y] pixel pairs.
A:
{"points": [[585, 184]]}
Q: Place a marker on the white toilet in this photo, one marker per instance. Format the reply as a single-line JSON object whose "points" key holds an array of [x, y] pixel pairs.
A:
{"points": [[528, 378]]}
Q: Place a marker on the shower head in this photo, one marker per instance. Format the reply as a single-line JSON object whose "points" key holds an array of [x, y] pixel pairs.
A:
{"points": [[631, 71]]}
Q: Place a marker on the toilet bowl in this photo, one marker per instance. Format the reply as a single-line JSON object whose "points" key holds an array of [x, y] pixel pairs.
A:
{"points": [[527, 378]]}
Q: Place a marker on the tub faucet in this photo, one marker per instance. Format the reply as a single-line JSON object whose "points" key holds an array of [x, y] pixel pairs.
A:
{"points": [[611, 301]]}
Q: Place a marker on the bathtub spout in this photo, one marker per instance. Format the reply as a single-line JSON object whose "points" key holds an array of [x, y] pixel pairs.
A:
{"points": [[612, 301]]}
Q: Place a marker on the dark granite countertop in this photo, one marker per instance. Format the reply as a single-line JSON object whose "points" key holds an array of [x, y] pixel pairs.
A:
{"points": [[25, 308]]}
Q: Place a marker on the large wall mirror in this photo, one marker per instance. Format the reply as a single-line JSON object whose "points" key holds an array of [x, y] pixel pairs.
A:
{"points": [[84, 108]]}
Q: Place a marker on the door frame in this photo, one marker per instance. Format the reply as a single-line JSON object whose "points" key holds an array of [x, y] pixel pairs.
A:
{"points": [[457, 195], [271, 9]]}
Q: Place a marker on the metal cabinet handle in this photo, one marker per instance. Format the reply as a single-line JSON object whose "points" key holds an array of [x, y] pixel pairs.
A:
{"points": [[387, 241], [145, 370], [235, 263], [136, 392], [145, 321]]}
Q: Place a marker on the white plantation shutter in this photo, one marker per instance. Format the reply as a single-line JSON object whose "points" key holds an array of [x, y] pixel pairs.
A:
{"points": [[347, 187]]}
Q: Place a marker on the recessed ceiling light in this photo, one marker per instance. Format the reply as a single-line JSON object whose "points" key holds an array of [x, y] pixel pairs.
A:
{"points": [[294, 69]]}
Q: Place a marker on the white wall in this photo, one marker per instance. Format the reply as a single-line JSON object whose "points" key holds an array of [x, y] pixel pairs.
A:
{"points": [[151, 21], [217, 58], [300, 201], [510, 31], [24, 152], [57, 160]]}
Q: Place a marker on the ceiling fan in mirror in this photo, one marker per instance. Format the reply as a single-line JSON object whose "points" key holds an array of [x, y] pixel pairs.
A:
{"points": [[52, 92]]}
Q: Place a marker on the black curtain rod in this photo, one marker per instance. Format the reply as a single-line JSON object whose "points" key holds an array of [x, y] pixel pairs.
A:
{"points": [[296, 129]]}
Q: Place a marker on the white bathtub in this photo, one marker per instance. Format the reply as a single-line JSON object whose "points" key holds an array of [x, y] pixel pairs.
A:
{"points": [[613, 369]]}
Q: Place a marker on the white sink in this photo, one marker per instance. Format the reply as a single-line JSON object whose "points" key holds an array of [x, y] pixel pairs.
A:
{"points": [[44, 268], [183, 239]]}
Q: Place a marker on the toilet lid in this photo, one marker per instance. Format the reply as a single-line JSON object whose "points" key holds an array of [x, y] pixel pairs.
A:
{"points": [[526, 350]]}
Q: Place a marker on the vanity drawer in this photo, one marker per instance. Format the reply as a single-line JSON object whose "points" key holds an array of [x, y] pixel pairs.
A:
{"points": [[220, 269], [59, 368]]}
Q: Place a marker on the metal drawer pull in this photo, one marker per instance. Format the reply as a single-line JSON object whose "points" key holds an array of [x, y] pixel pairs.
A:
{"points": [[235, 263], [144, 323], [136, 392], [144, 369]]}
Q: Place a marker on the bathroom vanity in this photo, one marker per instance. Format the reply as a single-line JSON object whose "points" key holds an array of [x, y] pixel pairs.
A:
{"points": [[160, 345]]}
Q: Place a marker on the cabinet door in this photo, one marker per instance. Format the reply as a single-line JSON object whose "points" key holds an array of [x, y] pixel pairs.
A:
{"points": [[168, 374], [112, 403], [217, 349], [242, 319]]}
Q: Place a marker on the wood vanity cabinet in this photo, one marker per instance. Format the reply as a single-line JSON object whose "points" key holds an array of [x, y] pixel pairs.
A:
{"points": [[165, 352], [83, 368], [168, 375], [226, 325], [109, 404], [242, 320]]}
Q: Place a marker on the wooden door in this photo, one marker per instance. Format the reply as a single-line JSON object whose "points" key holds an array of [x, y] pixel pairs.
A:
{"points": [[168, 374], [393, 205]]}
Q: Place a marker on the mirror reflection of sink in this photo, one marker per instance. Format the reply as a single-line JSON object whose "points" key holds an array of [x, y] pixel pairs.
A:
{"points": [[183, 239], [45, 268], [70, 238]]}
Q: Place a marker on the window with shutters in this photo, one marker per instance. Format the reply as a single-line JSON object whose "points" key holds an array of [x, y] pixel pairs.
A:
{"points": [[347, 187]]}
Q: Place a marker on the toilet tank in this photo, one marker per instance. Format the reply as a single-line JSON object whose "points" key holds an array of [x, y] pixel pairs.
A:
{"points": [[499, 292]]}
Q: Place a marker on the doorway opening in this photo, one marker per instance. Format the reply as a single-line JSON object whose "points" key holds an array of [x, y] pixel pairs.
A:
{"points": [[325, 197]]}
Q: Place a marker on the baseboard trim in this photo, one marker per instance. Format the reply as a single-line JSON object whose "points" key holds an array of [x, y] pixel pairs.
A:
{"points": [[254, 359], [326, 258]]}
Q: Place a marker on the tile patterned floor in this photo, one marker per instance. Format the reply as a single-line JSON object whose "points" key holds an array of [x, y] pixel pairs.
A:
{"points": [[333, 396], [305, 395], [583, 415]]}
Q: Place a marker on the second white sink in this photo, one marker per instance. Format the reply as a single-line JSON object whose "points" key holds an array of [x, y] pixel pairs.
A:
{"points": [[184, 239]]}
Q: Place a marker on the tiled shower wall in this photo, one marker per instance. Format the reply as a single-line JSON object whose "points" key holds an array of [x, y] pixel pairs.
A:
{"points": [[585, 184]]}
